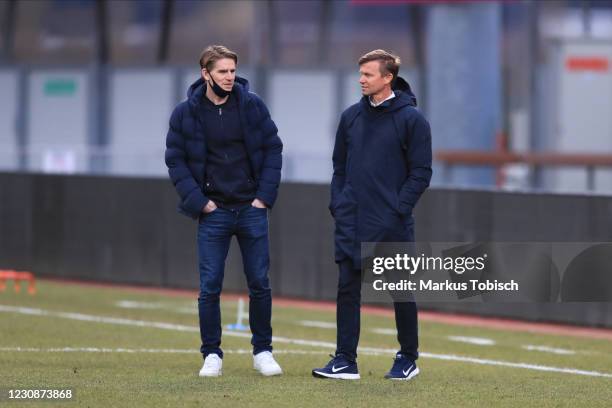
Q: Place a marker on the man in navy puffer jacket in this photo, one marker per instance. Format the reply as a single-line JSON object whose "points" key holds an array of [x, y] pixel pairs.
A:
{"points": [[224, 158]]}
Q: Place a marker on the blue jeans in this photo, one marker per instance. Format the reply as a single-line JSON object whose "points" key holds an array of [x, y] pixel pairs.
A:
{"points": [[215, 231]]}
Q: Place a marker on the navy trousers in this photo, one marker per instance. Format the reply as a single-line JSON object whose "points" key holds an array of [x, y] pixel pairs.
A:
{"points": [[348, 320]]}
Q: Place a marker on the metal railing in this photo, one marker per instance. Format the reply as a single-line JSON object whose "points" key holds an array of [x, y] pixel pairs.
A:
{"points": [[536, 160]]}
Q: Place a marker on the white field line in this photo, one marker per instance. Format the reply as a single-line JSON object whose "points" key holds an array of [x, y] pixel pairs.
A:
{"points": [[546, 349], [91, 350], [390, 332], [102, 319], [277, 339], [314, 323], [140, 350], [130, 304], [536, 367], [330, 325], [480, 341]]}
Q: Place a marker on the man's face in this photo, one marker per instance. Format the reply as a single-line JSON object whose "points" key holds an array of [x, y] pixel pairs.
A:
{"points": [[370, 78], [223, 73]]}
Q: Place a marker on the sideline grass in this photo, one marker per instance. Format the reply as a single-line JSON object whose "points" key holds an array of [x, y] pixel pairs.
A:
{"points": [[170, 379]]}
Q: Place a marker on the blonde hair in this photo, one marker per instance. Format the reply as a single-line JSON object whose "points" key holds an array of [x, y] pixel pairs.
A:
{"points": [[214, 53], [389, 63]]}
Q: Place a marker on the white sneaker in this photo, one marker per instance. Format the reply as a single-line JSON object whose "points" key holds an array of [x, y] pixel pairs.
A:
{"points": [[264, 363], [212, 366]]}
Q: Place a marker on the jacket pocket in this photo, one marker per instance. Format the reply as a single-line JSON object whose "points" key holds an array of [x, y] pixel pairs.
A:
{"points": [[247, 184], [403, 211], [334, 204], [209, 183]]}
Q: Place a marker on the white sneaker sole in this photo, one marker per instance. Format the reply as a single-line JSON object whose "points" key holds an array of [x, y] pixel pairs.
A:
{"points": [[340, 376], [201, 374], [410, 376], [268, 373]]}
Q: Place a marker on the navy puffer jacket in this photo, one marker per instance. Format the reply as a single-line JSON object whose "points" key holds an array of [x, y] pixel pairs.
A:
{"points": [[186, 147]]}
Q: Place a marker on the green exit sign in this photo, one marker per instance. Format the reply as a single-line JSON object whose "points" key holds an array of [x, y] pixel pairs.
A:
{"points": [[60, 87]]}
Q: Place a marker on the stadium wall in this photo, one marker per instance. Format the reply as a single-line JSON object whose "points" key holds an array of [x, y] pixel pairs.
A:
{"points": [[126, 230]]}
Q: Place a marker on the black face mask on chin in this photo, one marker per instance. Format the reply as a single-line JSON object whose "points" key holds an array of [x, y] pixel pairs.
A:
{"points": [[220, 92]]}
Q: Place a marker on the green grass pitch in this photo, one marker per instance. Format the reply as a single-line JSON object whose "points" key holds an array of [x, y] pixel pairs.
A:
{"points": [[100, 342]]}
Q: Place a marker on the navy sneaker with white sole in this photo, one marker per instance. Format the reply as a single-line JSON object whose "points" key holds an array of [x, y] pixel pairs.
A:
{"points": [[339, 368], [403, 369]]}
